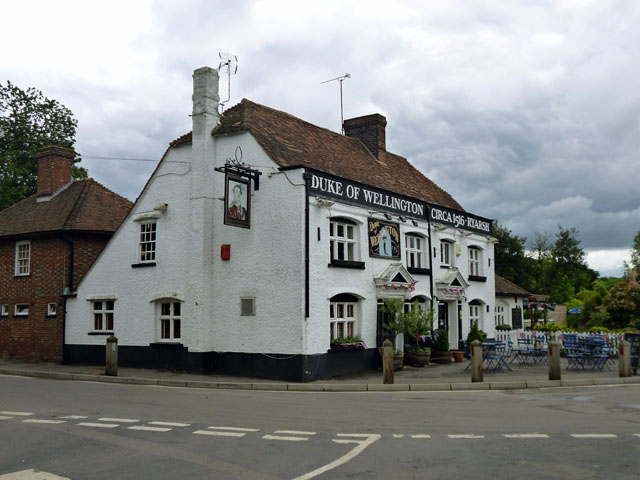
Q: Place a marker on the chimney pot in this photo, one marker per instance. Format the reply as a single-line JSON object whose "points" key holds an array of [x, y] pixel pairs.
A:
{"points": [[54, 169], [370, 130]]}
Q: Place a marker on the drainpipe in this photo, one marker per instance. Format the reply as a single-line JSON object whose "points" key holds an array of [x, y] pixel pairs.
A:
{"points": [[433, 300], [305, 369], [64, 297]]}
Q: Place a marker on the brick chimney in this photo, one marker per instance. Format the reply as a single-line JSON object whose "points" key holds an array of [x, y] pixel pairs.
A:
{"points": [[370, 130], [54, 169]]}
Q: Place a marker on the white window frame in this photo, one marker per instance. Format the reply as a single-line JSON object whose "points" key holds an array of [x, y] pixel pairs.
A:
{"points": [[475, 315], [415, 250], [21, 310], [345, 325], [52, 309], [23, 262], [499, 315], [348, 244], [446, 253], [475, 261], [147, 242], [103, 314], [169, 319], [4, 310]]}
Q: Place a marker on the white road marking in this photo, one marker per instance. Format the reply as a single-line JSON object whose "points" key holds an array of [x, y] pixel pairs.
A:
{"points": [[149, 429], [235, 429], [466, 435], [119, 420], [31, 474], [5, 417], [398, 435], [286, 439], [294, 432], [637, 434], [98, 425], [220, 434], [75, 417], [37, 420], [526, 435], [367, 439], [593, 435], [17, 414], [170, 424], [421, 435]]}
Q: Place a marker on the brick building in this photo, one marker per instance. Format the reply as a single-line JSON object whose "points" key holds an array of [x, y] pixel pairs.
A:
{"points": [[48, 242]]}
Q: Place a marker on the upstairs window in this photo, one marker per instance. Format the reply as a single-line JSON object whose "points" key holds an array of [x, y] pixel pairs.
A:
{"points": [[147, 246], [170, 321], [475, 265], [4, 310], [415, 246], [342, 240], [21, 310], [446, 254], [103, 315], [23, 258]]}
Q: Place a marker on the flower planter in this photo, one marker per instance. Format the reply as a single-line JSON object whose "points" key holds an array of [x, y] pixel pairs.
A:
{"points": [[441, 357], [458, 356], [418, 359], [398, 362]]}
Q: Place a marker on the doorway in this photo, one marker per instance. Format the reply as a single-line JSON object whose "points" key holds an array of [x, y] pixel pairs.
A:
{"points": [[443, 316]]}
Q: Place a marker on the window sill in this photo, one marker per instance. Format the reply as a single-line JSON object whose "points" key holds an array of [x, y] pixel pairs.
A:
{"points": [[20, 316], [142, 265], [100, 333], [51, 316], [477, 278], [347, 264], [419, 271], [166, 344], [443, 265], [25, 275]]}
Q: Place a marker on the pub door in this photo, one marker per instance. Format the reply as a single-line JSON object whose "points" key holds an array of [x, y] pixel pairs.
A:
{"points": [[443, 316]]}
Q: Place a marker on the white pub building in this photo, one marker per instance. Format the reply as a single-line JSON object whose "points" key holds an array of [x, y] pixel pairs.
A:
{"points": [[260, 237]]}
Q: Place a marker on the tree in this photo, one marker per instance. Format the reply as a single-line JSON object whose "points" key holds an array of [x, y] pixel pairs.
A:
{"points": [[540, 251], [510, 258], [635, 254], [623, 303], [28, 122], [569, 260]]}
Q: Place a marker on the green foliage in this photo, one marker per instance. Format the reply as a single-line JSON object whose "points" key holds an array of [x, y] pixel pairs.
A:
{"points": [[28, 122], [340, 341], [393, 308], [635, 254], [442, 340], [623, 303], [398, 353], [417, 321], [548, 327], [562, 290], [503, 327], [599, 330], [475, 334], [510, 259]]}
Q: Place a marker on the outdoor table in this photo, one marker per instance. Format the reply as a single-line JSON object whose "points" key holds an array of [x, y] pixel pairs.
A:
{"points": [[496, 356]]}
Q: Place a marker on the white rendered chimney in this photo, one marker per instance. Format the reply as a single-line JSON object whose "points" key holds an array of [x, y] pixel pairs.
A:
{"points": [[205, 100]]}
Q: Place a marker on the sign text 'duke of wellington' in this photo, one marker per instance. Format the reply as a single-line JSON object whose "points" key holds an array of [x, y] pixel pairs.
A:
{"points": [[356, 193]]}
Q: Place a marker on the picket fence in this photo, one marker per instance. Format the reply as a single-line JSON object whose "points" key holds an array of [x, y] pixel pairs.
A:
{"points": [[612, 339]]}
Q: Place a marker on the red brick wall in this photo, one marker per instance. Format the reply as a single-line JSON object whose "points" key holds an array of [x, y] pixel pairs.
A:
{"points": [[39, 337]]}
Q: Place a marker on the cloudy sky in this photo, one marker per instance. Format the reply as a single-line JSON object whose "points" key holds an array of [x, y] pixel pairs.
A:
{"points": [[527, 112]]}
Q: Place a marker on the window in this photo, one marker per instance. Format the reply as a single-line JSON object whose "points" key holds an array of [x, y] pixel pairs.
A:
{"points": [[103, 315], [170, 321], [21, 310], [147, 242], [247, 306], [4, 310], [474, 262], [499, 315], [414, 246], [475, 312], [342, 316], [342, 239], [23, 258], [52, 309], [446, 256]]}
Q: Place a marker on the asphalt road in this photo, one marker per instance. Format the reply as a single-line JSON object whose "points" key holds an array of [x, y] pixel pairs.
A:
{"points": [[86, 430]]}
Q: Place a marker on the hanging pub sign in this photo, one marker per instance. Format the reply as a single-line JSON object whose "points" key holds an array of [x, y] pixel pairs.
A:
{"points": [[237, 201], [384, 239], [237, 190]]}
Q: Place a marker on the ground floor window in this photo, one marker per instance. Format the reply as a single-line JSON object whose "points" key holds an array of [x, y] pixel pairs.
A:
{"points": [[499, 317], [475, 310], [170, 321], [342, 316], [103, 315]]}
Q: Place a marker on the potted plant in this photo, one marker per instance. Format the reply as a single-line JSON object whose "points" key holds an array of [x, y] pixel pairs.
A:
{"points": [[418, 322], [347, 343], [442, 353], [394, 325]]}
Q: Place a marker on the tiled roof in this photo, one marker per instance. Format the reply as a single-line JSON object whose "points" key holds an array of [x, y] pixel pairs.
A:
{"points": [[505, 287], [291, 142], [85, 205]]}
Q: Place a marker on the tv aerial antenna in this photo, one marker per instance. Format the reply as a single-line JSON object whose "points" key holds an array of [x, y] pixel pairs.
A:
{"points": [[229, 64], [340, 79]]}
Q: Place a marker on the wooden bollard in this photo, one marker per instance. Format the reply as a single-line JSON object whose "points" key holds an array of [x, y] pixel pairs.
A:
{"points": [[387, 362], [476, 361], [624, 358], [554, 360], [111, 366]]}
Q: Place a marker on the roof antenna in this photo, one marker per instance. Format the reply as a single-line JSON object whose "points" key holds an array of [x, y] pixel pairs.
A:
{"points": [[340, 79], [228, 63]]}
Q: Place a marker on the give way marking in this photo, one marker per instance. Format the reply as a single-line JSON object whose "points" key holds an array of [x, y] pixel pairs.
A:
{"points": [[362, 441]]}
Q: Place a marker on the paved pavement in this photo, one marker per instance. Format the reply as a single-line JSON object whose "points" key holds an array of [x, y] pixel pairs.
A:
{"points": [[433, 377], [98, 430]]}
